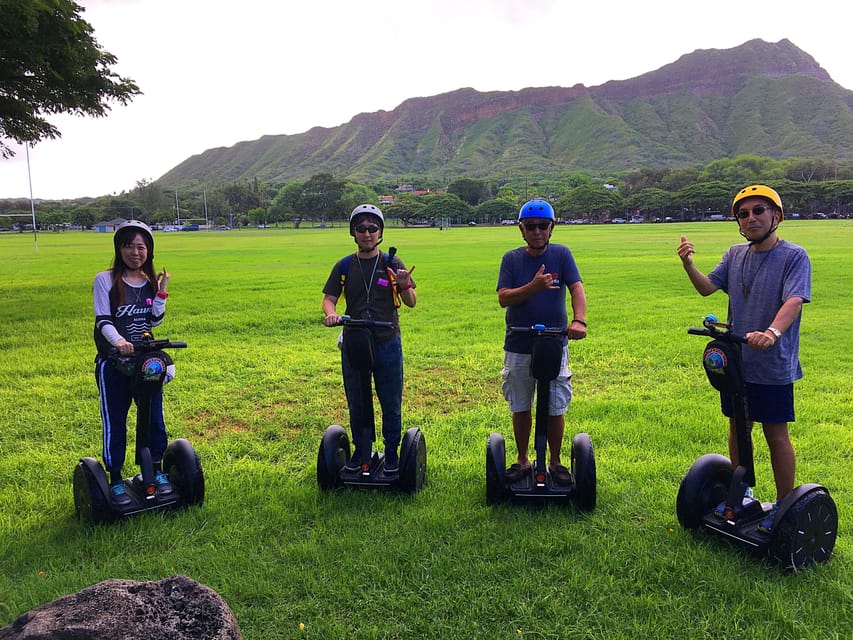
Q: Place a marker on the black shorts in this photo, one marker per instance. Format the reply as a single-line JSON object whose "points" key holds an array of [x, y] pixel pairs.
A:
{"points": [[768, 403]]}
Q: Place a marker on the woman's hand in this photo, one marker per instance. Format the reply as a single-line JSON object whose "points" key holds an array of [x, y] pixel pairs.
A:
{"points": [[162, 280], [124, 347]]}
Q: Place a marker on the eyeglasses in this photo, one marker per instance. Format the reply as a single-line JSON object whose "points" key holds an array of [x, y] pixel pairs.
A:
{"points": [[542, 226], [757, 210], [367, 228]]}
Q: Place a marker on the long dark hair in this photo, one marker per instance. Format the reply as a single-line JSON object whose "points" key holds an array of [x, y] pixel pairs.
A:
{"points": [[122, 238]]}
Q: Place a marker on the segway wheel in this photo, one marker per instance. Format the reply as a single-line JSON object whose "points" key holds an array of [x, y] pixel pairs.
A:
{"points": [[583, 470], [704, 486], [333, 455], [91, 492], [495, 469], [413, 461], [182, 465], [806, 532]]}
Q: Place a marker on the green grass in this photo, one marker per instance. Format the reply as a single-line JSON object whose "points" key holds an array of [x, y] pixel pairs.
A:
{"points": [[260, 382]]}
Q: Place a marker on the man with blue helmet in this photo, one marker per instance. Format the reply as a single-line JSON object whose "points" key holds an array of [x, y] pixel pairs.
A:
{"points": [[532, 287]]}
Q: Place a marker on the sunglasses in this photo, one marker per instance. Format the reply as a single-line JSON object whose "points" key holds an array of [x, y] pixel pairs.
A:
{"points": [[363, 228], [542, 226], [757, 210]]}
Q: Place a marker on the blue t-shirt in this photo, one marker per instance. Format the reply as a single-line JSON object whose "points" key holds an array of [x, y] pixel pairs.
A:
{"points": [[758, 283], [545, 307]]}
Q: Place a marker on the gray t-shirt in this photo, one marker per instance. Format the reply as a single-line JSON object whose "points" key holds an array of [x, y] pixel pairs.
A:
{"points": [[758, 284]]}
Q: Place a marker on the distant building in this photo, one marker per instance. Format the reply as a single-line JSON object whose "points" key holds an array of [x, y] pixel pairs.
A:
{"points": [[109, 226]]}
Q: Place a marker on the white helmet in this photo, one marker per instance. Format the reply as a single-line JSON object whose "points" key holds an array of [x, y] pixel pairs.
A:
{"points": [[366, 209], [139, 227]]}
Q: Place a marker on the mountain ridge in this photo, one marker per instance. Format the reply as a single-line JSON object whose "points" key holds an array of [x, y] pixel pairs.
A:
{"points": [[706, 105]]}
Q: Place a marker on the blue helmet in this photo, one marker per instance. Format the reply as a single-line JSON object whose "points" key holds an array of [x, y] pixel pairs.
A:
{"points": [[536, 208]]}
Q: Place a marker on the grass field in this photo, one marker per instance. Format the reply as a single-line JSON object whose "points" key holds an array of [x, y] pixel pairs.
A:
{"points": [[260, 381]]}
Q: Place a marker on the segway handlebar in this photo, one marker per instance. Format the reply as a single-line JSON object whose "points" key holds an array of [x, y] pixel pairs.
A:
{"points": [[363, 322], [150, 344], [712, 328], [541, 330]]}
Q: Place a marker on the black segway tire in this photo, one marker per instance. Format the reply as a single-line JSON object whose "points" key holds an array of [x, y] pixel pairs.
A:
{"points": [[183, 467], [333, 454], [583, 470], [805, 533], [413, 461], [91, 492], [495, 469], [703, 487]]}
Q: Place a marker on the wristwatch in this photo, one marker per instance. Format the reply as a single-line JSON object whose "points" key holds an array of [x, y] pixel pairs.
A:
{"points": [[775, 332]]}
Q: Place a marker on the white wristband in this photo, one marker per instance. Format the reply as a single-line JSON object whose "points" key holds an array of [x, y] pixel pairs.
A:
{"points": [[775, 332]]}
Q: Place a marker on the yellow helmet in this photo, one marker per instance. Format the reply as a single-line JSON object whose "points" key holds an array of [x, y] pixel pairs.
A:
{"points": [[760, 191]]}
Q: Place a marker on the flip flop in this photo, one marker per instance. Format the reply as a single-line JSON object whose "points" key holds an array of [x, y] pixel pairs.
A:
{"points": [[516, 472], [560, 474]]}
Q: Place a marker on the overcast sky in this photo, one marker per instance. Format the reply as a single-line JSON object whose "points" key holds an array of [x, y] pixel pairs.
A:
{"points": [[216, 72]]}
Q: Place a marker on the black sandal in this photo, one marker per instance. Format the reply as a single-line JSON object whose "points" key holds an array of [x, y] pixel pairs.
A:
{"points": [[516, 472], [561, 475]]}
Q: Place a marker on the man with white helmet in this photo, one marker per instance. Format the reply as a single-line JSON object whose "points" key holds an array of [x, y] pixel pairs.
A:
{"points": [[374, 284], [767, 280]]}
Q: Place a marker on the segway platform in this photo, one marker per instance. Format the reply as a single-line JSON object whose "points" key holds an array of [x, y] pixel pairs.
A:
{"points": [[334, 453], [536, 487], [92, 491]]}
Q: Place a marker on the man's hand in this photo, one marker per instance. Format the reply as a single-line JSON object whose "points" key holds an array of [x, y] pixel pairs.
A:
{"points": [[685, 252]]}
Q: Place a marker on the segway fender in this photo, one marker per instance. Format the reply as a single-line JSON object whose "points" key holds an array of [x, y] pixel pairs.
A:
{"points": [[333, 454], [704, 486], [92, 492], [805, 527], [583, 470], [181, 463], [495, 469], [413, 461]]}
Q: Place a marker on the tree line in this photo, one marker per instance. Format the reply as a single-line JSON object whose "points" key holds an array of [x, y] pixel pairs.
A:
{"points": [[806, 186]]}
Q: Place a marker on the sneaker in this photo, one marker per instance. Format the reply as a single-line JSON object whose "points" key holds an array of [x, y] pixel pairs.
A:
{"points": [[766, 525], [392, 462], [720, 511], [353, 464], [162, 482], [118, 494], [392, 466]]}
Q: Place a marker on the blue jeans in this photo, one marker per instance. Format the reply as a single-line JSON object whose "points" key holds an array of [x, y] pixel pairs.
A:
{"points": [[388, 379], [116, 394]]}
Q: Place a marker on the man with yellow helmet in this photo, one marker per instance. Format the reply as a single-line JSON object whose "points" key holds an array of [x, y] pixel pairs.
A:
{"points": [[767, 280]]}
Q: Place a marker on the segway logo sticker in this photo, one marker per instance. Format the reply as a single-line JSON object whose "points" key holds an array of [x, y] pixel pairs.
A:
{"points": [[153, 369], [715, 361]]}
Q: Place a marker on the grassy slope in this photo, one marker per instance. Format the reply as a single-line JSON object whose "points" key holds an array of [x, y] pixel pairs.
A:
{"points": [[260, 381]]}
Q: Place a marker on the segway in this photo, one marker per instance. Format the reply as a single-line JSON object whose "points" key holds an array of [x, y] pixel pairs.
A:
{"points": [[806, 522], [537, 485], [334, 452], [147, 367]]}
